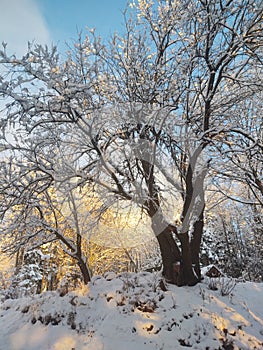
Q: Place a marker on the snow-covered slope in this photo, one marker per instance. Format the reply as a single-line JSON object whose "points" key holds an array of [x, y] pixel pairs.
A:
{"points": [[131, 311]]}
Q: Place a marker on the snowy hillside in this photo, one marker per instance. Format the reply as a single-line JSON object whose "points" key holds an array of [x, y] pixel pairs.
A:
{"points": [[133, 311]]}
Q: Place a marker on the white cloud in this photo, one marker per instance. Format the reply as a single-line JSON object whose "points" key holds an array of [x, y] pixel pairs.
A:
{"points": [[21, 21]]}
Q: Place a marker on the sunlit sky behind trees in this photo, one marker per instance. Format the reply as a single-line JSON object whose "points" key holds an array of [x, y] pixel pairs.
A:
{"points": [[56, 21]]}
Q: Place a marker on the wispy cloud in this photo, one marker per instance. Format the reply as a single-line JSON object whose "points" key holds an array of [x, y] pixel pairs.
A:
{"points": [[21, 21]]}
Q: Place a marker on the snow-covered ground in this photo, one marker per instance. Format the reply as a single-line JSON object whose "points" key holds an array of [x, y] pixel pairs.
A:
{"points": [[131, 311]]}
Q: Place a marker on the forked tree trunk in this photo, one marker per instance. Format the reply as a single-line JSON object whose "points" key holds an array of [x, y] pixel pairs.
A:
{"points": [[177, 265]]}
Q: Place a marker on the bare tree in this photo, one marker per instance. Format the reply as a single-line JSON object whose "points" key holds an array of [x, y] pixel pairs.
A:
{"points": [[142, 117]]}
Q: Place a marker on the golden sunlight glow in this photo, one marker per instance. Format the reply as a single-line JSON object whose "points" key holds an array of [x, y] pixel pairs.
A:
{"points": [[65, 343], [234, 325], [6, 267]]}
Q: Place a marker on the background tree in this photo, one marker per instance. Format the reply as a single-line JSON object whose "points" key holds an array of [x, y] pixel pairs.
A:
{"points": [[33, 213], [233, 241]]}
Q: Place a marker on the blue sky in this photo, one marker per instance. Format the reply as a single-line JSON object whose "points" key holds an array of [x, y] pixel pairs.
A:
{"points": [[65, 17], [56, 21]]}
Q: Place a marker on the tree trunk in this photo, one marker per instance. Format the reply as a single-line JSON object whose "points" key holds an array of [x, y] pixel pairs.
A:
{"points": [[84, 271], [195, 243], [170, 252], [177, 266], [171, 255], [187, 273]]}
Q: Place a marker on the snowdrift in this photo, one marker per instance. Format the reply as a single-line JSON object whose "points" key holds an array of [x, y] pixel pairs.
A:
{"points": [[134, 311]]}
